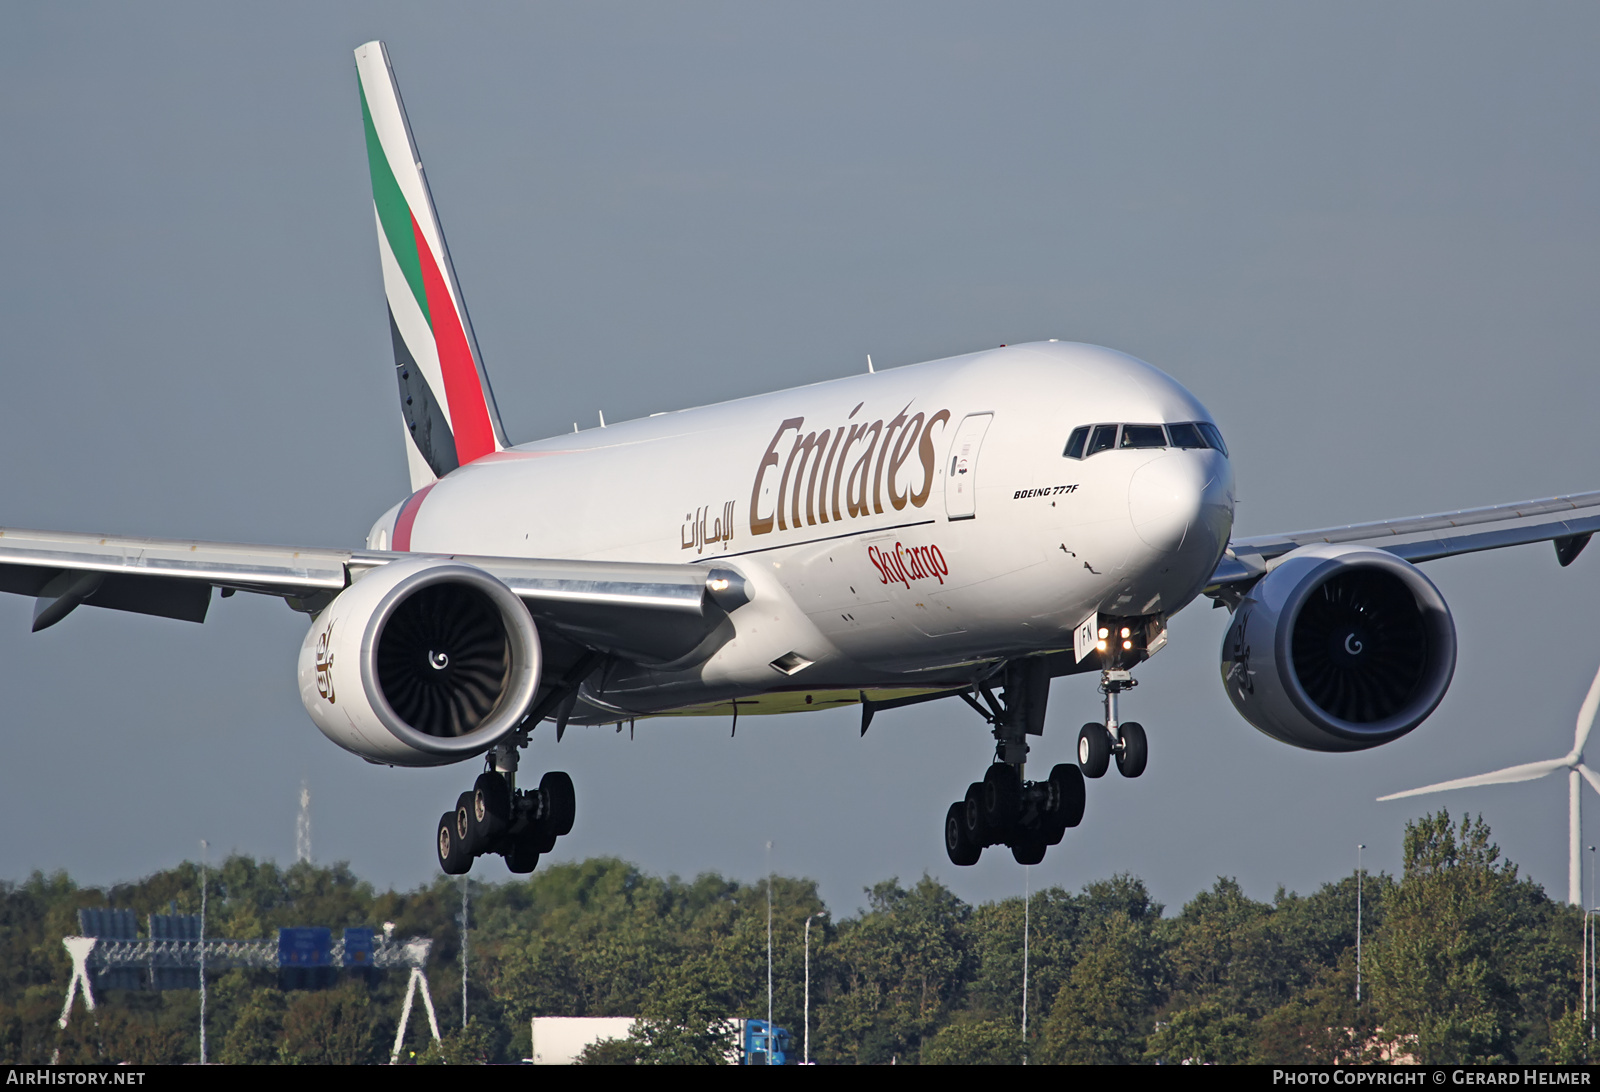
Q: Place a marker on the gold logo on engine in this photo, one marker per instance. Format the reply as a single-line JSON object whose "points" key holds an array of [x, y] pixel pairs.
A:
{"points": [[325, 664]]}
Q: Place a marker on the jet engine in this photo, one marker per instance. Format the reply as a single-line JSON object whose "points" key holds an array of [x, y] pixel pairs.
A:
{"points": [[420, 663], [1339, 648]]}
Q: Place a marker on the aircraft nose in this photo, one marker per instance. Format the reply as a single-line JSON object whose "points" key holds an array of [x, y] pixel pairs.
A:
{"points": [[1168, 495]]}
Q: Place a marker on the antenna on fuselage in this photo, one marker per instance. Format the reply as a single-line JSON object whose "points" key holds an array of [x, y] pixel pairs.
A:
{"points": [[602, 418], [870, 370]]}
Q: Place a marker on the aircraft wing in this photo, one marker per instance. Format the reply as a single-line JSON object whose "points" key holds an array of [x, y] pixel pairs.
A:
{"points": [[647, 612], [1567, 521]]}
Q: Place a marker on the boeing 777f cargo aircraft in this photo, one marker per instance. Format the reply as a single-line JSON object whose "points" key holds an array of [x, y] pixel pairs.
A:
{"points": [[966, 529]]}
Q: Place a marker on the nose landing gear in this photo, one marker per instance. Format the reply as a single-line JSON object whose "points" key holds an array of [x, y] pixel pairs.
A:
{"points": [[497, 817], [1099, 743]]}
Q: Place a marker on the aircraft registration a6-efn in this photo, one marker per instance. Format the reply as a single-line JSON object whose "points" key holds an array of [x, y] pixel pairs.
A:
{"points": [[964, 529]]}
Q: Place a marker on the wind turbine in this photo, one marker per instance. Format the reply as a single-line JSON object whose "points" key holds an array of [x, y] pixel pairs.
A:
{"points": [[1572, 762]]}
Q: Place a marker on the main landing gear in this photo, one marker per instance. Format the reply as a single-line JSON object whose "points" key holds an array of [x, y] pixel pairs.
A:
{"points": [[1030, 816], [497, 817], [1005, 808]]}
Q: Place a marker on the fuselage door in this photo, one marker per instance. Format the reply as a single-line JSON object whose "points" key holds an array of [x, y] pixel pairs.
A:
{"points": [[961, 476]]}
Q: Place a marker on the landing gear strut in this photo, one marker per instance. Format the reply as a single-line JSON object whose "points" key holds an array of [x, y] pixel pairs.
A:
{"points": [[497, 817], [1005, 808]]}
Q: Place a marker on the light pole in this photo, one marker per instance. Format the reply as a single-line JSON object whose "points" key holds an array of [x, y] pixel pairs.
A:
{"points": [[464, 921], [1589, 977], [769, 953], [1027, 899], [204, 846], [807, 1060], [1587, 991], [1359, 878], [1591, 980]]}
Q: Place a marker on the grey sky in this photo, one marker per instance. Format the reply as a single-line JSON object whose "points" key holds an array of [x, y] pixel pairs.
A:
{"points": [[1364, 235]]}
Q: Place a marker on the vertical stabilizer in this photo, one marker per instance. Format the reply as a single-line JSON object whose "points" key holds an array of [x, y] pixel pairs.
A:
{"points": [[445, 401]]}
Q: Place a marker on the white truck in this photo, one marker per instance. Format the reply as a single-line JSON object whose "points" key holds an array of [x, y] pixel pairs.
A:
{"points": [[558, 1040]]}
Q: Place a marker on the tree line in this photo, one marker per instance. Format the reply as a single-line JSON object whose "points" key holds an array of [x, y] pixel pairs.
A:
{"points": [[1463, 961]]}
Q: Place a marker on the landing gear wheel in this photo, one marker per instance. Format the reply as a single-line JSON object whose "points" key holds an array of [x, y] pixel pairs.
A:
{"points": [[491, 807], [1067, 801], [1002, 791], [454, 859], [542, 836], [523, 856], [468, 833], [557, 789], [1094, 750], [962, 850], [1028, 850], [1135, 751], [972, 816]]}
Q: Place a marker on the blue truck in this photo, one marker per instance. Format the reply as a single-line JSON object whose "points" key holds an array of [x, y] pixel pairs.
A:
{"points": [[761, 1043]]}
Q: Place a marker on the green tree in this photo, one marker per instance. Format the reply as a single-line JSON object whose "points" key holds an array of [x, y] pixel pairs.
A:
{"points": [[1106, 1010], [687, 1020], [255, 1033], [610, 1052], [903, 965], [471, 1045], [974, 1042], [1466, 965], [331, 1027], [1569, 1042], [1226, 952], [994, 938]]}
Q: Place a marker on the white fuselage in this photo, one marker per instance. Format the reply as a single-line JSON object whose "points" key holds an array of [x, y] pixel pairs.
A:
{"points": [[895, 529]]}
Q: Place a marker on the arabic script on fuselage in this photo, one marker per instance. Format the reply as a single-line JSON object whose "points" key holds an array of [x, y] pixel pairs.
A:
{"points": [[697, 533]]}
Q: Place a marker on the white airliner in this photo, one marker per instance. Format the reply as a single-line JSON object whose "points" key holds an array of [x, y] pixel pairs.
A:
{"points": [[968, 528]]}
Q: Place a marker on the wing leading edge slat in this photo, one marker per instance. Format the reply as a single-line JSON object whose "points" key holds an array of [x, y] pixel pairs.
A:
{"points": [[650, 613], [1427, 538]]}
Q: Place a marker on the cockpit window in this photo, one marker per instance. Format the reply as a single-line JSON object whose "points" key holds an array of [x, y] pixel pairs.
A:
{"points": [[1104, 438], [1186, 436], [1143, 436], [1089, 440], [1075, 442]]}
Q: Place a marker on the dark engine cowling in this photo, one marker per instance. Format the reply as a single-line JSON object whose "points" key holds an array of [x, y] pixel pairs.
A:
{"points": [[1339, 648], [420, 663]]}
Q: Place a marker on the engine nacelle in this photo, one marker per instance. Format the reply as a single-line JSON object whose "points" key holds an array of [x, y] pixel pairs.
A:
{"points": [[420, 663], [1339, 648]]}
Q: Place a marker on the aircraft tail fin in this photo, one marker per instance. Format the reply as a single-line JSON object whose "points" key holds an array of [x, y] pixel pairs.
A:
{"points": [[446, 403]]}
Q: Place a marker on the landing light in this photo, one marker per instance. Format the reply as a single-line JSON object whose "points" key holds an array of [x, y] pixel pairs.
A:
{"points": [[1104, 633], [717, 584]]}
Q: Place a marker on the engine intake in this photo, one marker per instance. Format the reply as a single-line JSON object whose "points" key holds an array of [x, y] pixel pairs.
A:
{"points": [[1339, 648], [420, 663]]}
